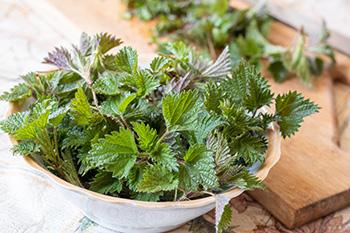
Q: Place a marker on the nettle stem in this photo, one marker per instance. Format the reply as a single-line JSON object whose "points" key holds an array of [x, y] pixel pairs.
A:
{"points": [[175, 195], [164, 135], [94, 97], [88, 80], [211, 46]]}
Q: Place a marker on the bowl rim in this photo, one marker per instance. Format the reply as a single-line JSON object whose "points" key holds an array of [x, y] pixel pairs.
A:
{"points": [[273, 154]]}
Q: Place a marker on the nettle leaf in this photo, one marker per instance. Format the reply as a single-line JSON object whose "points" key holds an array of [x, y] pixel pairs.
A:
{"points": [[145, 83], [251, 149], [78, 136], [221, 67], [164, 156], [18, 92], [107, 42], [24, 148], [205, 124], [296, 61], [178, 109], [218, 145], [126, 60], [248, 87], [105, 183], [159, 64], [179, 51], [201, 167], [107, 83], [238, 121], [116, 106], [223, 213], [291, 108], [278, 71], [60, 57], [121, 166], [157, 178], [135, 176], [80, 108], [245, 180], [186, 180], [213, 97], [14, 122], [195, 153], [204, 172], [146, 135], [112, 147], [32, 130], [57, 114]]}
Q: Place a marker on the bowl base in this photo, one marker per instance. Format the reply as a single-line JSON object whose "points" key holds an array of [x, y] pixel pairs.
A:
{"points": [[130, 229]]}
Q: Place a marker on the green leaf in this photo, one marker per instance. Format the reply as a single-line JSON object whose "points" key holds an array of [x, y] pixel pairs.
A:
{"points": [[316, 65], [80, 108], [278, 71], [107, 83], [135, 176], [164, 156], [179, 51], [204, 125], [187, 181], [291, 108], [107, 42], [225, 219], [194, 153], [250, 148], [24, 148], [238, 122], [18, 92], [245, 180], [78, 136], [178, 109], [200, 167], [212, 98], [105, 183], [296, 61], [218, 145], [109, 149], [159, 64], [248, 87], [145, 83], [14, 122], [117, 106], [33, 129], [57, 114], [121, 167], [204, 172], [146, 135], [126, 60], [156, 179]]}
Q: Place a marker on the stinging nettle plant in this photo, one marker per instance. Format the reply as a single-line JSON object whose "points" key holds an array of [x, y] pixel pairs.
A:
{"points": [[210, 25], [183, 128]]}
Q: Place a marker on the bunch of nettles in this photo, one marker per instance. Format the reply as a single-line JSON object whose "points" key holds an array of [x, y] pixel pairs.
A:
{"points": [[210, 25], [182, 128]]}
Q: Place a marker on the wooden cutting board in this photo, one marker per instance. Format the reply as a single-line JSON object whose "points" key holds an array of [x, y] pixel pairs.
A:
{"points": [[312, 178]]}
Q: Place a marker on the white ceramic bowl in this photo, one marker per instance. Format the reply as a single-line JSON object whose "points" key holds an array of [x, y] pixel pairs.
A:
{"points": [[133, 216]]}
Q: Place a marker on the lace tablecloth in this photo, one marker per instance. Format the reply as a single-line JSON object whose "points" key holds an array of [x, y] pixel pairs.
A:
{"points": [[29, 28]]}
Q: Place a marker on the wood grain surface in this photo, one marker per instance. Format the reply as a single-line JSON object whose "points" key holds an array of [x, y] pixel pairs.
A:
{"points": [[312, 178]]}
